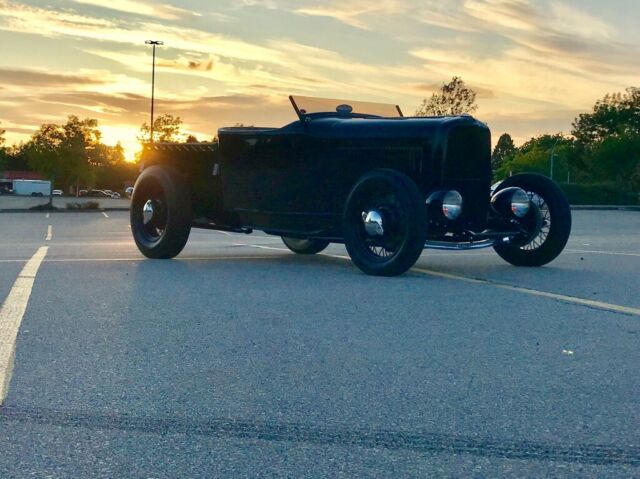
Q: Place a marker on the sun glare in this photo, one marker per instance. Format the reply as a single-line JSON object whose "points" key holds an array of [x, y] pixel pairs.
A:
{"points": [[126, 135]]}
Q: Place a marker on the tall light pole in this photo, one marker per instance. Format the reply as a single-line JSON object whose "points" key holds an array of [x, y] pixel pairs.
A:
{"points": [[553, 154], [153, 43]]}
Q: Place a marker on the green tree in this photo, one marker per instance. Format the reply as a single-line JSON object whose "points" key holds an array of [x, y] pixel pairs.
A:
{"points": [[534, 156], [65, 153], [454, 98], [616, 158], [191, 139], [113, 170], [607, 140], [3, 153], [166, 128], [617, 114], [505, 149]]}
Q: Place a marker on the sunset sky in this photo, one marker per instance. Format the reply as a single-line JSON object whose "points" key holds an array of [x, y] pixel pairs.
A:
{"points": [[535, 64]]}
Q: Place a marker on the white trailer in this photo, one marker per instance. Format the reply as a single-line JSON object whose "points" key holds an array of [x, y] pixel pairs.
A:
{"points": [[31, 187]]}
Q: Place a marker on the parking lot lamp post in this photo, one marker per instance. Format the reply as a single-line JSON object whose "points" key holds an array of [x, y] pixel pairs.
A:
{"points": [[553, 154], [153, 43]]}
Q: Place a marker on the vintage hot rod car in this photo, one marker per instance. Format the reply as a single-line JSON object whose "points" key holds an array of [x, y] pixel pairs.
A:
{"points": [[361, 174]]}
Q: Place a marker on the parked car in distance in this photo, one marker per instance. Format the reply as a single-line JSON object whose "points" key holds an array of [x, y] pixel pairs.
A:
{"points": [[115, 195], [56, 192], [361, 174], [98, 194], [82, 193], [128, 191]]}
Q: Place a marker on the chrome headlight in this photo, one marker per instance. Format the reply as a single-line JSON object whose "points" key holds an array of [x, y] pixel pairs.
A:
{"points": [[452, 205], [510, 202], [520, 203]]}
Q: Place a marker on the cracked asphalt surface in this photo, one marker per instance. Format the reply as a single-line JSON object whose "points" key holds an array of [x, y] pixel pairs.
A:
{"points": [[239, 361]]}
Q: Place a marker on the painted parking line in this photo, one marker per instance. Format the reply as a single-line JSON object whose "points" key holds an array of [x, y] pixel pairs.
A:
{"points": [[48, 215], [138, 259], [49, 233], [11, 315], [615, 308], [610, 253], [105, 215]]}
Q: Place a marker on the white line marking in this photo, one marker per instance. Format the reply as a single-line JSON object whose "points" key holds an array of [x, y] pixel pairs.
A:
{"points": [[11, 315], [47, 215], [519, 289], [260, 246], [105, 215], [49, 233], [226, 233], [611, 253], [90, 260], [534, 292]]}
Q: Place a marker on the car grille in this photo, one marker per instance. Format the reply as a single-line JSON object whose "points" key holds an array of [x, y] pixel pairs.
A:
{"points": [[467, 168]]}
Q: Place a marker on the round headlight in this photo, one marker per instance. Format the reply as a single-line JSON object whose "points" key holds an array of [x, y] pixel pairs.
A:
{"points": [[520, 203], [452, 205]]}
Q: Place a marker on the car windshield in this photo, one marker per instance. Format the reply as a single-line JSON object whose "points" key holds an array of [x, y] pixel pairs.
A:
{"points": [[305, 105]]}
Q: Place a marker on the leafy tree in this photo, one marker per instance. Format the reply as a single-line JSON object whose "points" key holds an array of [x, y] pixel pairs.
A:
{"points": [[165, 128], [3, 154], [454, 98], [504, 150], [615, 158], [67, 153], [191, 139], [534, 156], [114, 171], [616, 114]]}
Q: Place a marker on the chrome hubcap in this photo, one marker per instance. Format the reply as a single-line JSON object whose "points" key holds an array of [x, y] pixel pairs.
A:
{"points": [[373, 223], [147, 212]]}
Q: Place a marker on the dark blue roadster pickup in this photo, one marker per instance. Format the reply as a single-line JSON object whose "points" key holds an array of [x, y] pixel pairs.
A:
{"points": [[362, 174]]}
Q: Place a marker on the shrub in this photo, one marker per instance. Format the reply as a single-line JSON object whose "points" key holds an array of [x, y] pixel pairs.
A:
{"points": [[89, 205], [599, 194]]}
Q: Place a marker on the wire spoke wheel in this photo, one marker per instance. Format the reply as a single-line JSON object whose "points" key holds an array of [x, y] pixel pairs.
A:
{"points": [[385, 223], [538, 240], [549, 222], [385, 243]]}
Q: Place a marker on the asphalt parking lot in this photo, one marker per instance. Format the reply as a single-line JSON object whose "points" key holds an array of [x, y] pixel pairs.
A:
{"points": [[240, 359]]}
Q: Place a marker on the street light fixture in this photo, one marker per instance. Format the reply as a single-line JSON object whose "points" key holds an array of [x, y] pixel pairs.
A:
{"points": [[153, 43]]}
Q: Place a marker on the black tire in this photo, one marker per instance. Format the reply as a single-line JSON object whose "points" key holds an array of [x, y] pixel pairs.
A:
{"points": [[304, 246], [163, 233], [556, 226], [401, 206]]}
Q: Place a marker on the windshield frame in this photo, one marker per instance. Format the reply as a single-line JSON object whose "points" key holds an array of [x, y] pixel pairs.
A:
{"points": [[348, 112]]}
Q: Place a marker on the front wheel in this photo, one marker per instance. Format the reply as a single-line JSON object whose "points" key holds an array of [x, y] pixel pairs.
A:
{"points": [[553, 233], [304, 246], [160, 213], [385, 223]]}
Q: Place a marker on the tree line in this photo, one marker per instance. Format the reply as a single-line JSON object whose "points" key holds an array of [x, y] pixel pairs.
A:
{"points": [[73, 156], [602, 148]]}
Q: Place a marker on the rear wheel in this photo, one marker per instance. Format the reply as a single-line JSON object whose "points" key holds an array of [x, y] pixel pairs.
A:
{"points": [[551, 236], [304, 246], [160, 213], [385, 223]]}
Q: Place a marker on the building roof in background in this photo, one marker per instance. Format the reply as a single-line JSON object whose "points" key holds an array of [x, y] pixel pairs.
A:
{"points": [[20, 175]]}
